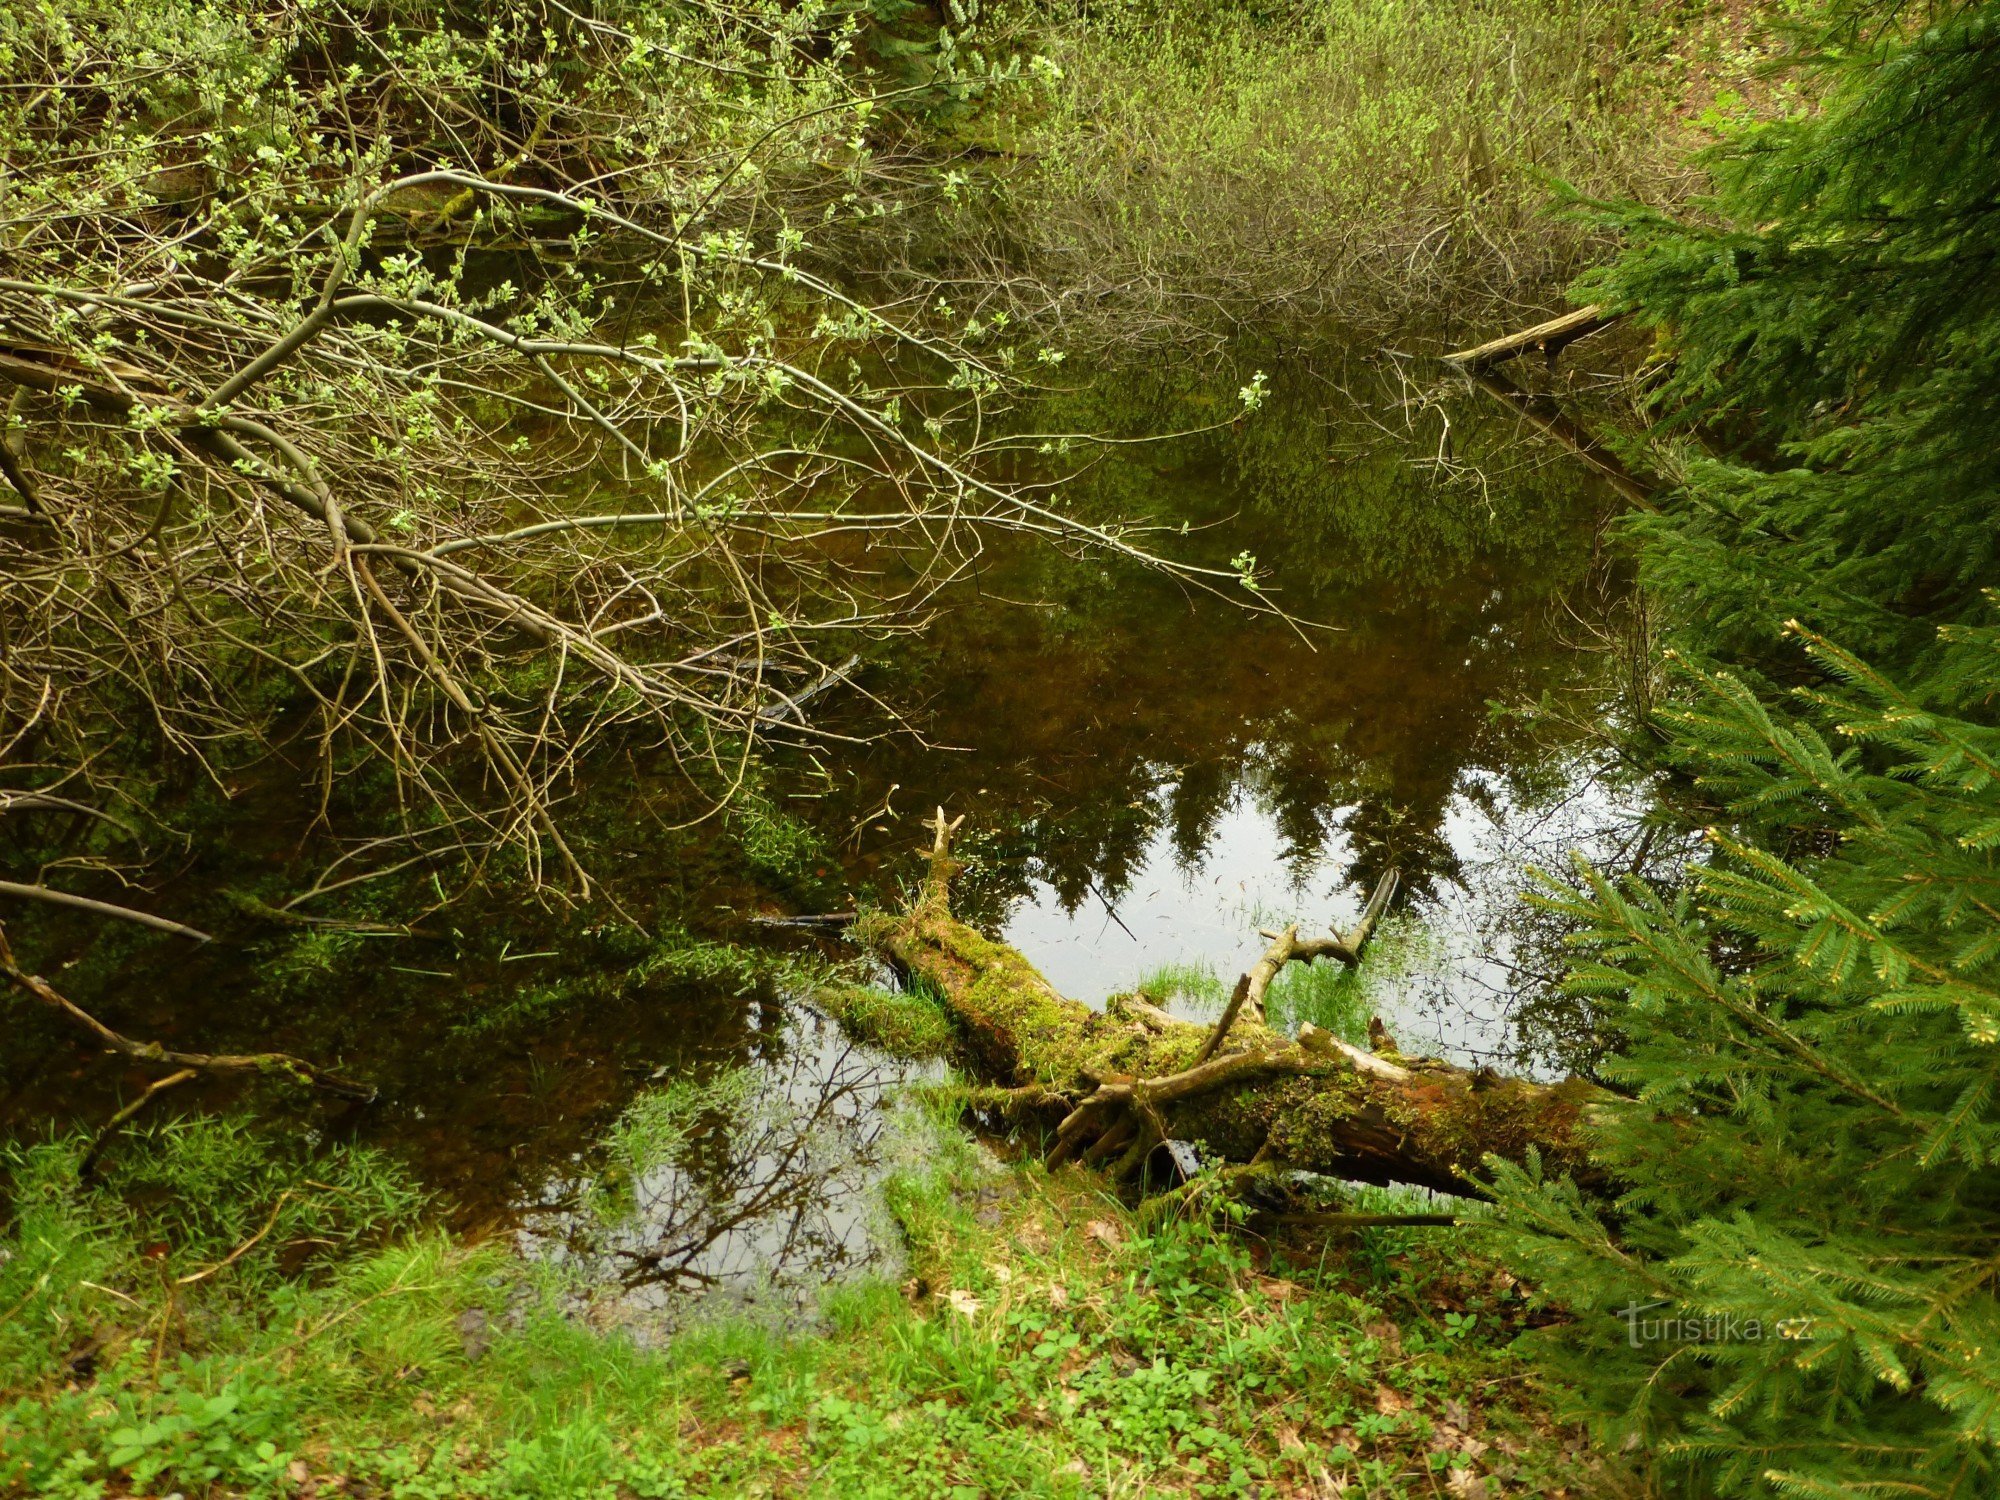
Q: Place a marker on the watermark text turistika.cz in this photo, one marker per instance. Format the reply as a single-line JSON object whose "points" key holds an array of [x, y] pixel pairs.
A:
{"points": [[1714, 1328]]}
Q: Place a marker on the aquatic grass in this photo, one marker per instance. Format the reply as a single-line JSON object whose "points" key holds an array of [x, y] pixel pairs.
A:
{"points": [[773, 841], [1192, 985], [1327, 994], [908, 1023], [654, 1130]]}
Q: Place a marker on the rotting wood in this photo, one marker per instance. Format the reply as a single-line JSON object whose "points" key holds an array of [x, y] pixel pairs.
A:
{"points": [[1325, 1107], [1370, 1221], [1142, 1010], [1549, 339]]}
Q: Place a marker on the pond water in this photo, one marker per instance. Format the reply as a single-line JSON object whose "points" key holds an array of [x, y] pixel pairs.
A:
{"points": [[1147, 775]]}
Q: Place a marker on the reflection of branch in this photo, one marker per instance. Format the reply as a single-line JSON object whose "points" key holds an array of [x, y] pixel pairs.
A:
{"points": [[786, 708], [251, 1062], [1549, 419]]}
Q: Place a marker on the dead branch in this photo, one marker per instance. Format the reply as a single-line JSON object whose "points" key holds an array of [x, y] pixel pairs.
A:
{"points": [[1247, 999], [124, 1116], [1317, 1104], [101, 908], [1549, 338], [276, 1064]]}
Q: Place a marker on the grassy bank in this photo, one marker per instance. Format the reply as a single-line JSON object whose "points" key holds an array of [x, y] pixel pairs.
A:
{"points": [[1344, 168], [1042, 1343]]}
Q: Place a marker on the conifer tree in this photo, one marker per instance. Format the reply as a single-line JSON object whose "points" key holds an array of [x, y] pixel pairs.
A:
{"points": [[1793, 1289], [1830, 322]]}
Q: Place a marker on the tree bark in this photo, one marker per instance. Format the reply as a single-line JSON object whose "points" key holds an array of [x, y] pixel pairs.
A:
{"points": [[1125, 1079]]}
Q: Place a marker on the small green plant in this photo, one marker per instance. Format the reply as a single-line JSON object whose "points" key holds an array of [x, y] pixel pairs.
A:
{"points": [[1193, 987], [655, 1129], [774, 842], [1041, 1339]]}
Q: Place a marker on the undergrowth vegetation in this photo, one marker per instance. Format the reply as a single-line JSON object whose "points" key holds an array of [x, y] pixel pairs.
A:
{"points": [[1334, 168], [1042, 1344]]}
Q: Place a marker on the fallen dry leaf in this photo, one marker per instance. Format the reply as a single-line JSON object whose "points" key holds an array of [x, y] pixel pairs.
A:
{"points": [[1463, 1484], [1289, 1440], [963, 1303], [1058, 1295], [1104, 1232], [1389, 1402], [1385, 1332]]}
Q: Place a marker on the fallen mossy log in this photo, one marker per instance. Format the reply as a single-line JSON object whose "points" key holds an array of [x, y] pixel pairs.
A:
{"points": [[1117, 1084]]}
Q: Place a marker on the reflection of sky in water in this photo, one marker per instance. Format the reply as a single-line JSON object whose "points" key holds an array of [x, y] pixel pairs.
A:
{"points": [[765, 1208], [1465, 969], [761, 1209]]}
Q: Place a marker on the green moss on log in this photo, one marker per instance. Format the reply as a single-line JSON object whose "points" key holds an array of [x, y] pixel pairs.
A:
{"points": [[1425, 1123]]}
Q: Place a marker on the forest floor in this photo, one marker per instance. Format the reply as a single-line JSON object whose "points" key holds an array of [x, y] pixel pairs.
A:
{"points": [[1041, 1341]]}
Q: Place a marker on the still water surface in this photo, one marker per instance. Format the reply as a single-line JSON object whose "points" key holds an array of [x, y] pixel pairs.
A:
{"points": [[1147, 777]]}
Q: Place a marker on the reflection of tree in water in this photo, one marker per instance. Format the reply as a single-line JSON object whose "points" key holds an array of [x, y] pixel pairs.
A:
{"points": [[1491, 988], [755, 1183], [1122, 707], [1117, 713]]}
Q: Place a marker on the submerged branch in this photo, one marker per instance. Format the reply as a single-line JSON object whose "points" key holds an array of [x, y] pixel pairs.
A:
{"points": [[276, 1063], [101, 908]]}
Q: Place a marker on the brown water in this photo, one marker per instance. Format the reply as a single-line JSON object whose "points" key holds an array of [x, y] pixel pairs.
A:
{"points": [[1146, 777]]}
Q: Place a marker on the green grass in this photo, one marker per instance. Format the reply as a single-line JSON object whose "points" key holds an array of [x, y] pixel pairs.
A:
{"points": [[1329, 995], [1042, 1346], [774, 842], [1194, 987]]}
